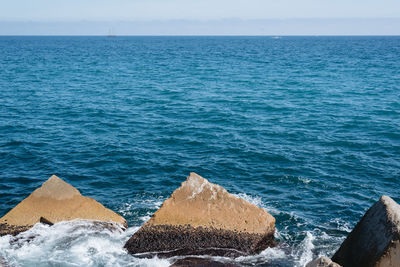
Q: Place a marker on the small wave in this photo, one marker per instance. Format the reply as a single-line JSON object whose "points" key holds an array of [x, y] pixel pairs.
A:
{"points": [[141, 210], [86, 243], [73, 243], [256, 200], [341, 225], [296, 179], [305, 253], [251, 199], [127, 208], [269, 255], [145, 218], [305, 180], [296, 248]]}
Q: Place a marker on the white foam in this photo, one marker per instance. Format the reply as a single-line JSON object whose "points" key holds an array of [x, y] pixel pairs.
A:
{"points": [[305, 253], [126, 209], [304, 180], [75, 243], [145, 218], [256, 200], [83, 243], [267, 255], [341, 225], [129, 209]]}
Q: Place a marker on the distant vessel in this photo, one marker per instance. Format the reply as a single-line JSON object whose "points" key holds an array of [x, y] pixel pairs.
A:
{"points": [[111, 33], [276, 37]]}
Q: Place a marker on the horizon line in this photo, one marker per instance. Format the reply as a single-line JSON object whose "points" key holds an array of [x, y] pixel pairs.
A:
{"points": [[200, 35], [185, 19]]}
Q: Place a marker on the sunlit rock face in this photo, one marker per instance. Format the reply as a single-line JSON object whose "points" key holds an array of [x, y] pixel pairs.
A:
{"points": [[203, 218], [375, 241], [53, 202]]}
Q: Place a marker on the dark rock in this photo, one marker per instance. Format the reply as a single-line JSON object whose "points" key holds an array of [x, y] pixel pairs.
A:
{"points": [[6, 229], [45, 221], [168, 241], [375, 241], [200, 262]]}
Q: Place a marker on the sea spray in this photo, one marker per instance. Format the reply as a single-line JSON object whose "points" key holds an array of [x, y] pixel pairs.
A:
{"points": [[73, 243], [306, 254]]}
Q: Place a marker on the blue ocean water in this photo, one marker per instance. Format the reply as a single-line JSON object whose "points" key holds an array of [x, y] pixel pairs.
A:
{"points": [[305, 127]]}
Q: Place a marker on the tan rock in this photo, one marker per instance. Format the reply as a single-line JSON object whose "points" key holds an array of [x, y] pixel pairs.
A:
{"points": [[391, 257], [53, 202], [374, 242], [322, 262], [198, 210]]}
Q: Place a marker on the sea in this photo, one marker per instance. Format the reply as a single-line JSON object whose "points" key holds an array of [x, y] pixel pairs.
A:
{"points": [[306, 127]]}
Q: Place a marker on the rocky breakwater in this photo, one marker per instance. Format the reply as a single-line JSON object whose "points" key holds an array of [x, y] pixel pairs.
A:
{"points": [[203, 218], [53, 202], [374, 241]]}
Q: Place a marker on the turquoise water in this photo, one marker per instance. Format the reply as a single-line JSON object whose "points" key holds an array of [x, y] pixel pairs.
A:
{"points": [[305, 127]]}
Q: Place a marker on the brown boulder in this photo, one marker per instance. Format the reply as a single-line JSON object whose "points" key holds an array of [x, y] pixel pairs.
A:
{"points": [[203, 218], [375, 239], [322, 262], [53, 202]]}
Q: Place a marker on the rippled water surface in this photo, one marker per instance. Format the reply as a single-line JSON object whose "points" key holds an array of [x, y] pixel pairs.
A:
{"points": [[305, 127]]}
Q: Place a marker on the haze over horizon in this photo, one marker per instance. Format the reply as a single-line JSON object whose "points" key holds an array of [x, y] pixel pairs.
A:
{"points": [[194, 17]]}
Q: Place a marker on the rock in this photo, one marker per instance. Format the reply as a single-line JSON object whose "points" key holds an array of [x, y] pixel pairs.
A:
{"points": [[53, 202], [203, 218], [6, 229], [3, 262], [375, 239], [200, 262], [322, 262], [45, 221]]}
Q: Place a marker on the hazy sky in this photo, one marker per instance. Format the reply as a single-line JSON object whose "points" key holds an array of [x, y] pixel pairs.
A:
{"points": [[200, 17], [62, 10]]}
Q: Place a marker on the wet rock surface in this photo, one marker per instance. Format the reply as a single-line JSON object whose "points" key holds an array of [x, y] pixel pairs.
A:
{"points": [[169, 241], [45, 221], [203, 218], [200, 262], [375, 239], [6, 229]]}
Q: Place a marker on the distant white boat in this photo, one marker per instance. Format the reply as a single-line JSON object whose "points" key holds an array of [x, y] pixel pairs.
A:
{"points": [[276, 37], [111, 33]]}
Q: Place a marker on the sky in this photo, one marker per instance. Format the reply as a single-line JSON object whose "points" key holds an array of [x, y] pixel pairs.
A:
{"points": [[47, 16], [45, 10]]}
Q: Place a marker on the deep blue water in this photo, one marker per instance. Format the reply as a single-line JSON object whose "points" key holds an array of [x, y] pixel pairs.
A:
{"points": [[306, 127]]}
